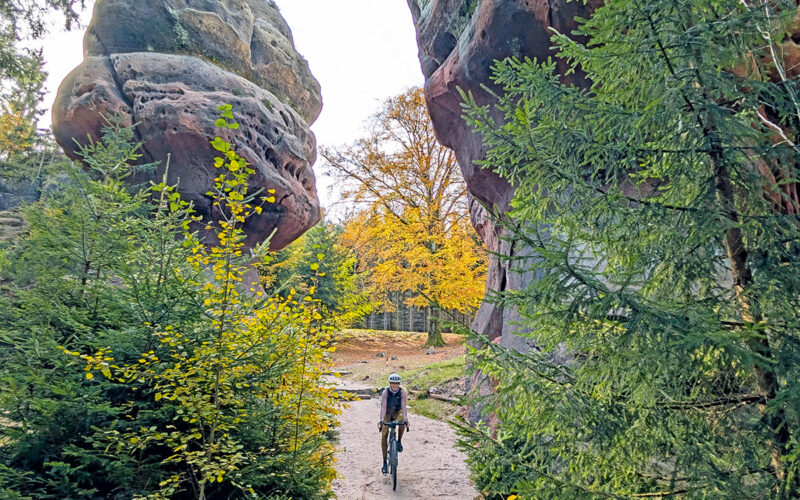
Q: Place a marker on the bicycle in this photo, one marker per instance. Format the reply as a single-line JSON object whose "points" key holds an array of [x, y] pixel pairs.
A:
{"points": [[392, 452]]}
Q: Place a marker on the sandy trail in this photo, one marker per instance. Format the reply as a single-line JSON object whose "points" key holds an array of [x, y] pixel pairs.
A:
{"points": [[429, 467]]}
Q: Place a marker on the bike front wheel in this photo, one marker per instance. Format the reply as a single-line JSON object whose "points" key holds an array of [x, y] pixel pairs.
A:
{"points": [[393, 462]]}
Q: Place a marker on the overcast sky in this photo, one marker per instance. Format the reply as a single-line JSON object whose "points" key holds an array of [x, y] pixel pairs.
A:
{"points": [[361, 51]]}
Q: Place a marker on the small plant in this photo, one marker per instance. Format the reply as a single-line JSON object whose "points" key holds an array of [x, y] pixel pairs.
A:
{"points": [[182, 37]]}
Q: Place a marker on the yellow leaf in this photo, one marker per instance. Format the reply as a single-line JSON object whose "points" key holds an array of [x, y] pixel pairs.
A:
{"points": [[89, 376], [258, 210]]}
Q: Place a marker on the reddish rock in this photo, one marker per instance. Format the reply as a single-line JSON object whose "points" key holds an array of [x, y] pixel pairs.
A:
{"points": [[174, 99], [458, 42]]}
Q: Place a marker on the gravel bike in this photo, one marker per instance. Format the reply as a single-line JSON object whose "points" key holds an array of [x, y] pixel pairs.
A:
{"points": [[392, 451]]}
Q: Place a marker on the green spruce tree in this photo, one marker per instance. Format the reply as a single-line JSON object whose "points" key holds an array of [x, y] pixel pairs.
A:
{"points": [[338, 286], [661, 213]]}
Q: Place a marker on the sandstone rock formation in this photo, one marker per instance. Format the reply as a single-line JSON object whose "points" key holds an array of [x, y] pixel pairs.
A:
{"points": [[168, 64], [14, 192], [458, 42]]}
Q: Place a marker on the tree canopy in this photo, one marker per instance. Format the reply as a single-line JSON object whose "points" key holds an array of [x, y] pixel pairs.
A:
{"points": [[411, 228], [338, 287], [20, 20], [22, 147]]}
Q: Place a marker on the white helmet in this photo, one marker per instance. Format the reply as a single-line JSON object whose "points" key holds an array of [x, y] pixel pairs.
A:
{"points": [[394, 378]]}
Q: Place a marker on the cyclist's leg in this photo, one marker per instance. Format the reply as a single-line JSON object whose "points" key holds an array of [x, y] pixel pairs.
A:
{"points": [[384, 446], [384, 440], [400, 430]]}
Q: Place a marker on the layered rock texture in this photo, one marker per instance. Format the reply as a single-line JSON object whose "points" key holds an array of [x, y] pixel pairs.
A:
{"points": [[458, 42], [14, 192], [168, 64]]}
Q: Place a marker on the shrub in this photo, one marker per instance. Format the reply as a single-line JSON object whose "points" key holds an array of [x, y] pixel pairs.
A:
{"points": [[149, 368]]}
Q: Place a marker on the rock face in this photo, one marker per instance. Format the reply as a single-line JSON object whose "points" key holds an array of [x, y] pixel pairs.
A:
{"points": [[168, 64], [14, 192], [458, 42]]}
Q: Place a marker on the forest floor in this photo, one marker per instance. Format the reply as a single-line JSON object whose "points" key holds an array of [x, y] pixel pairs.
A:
{"points": [[430, 465]]}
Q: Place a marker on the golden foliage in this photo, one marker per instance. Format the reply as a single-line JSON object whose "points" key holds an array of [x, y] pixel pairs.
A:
{"points": [[412, 230], [17, 130]]}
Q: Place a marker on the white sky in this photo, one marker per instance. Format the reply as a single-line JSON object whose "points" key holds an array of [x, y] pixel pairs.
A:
{"points": [[361, 51]]}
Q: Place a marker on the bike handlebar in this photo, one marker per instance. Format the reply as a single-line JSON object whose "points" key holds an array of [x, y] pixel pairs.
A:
{"points": [[393, 424]]}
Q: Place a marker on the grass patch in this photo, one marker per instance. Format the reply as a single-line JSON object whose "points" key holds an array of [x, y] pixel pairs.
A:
{"points": [[435, 374], [433, 408]]}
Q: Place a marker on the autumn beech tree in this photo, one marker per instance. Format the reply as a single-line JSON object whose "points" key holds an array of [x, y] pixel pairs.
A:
{"points": [[411, 229]]}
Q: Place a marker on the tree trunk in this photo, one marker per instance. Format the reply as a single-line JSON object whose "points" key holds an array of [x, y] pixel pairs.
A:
{"points": [[434, 331], [428, 319], [397, 315], [766, 378]]}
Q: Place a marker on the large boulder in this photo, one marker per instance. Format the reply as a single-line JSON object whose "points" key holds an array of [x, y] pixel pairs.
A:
{"points": [[167, 65], [246, 37], [459, 40]]}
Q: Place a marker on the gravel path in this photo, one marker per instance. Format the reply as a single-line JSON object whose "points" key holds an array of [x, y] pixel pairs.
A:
{"points": [[430, 466]]}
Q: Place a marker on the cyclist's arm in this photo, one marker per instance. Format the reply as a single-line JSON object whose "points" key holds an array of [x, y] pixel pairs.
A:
{"points": [[403, 403], [384, 402]]}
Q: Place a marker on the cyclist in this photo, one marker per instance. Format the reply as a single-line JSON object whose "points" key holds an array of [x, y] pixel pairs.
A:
{"points": [[393, 409]]}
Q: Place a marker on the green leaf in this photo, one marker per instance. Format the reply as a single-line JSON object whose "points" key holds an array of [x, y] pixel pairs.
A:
{"points": [[220, 145]]}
